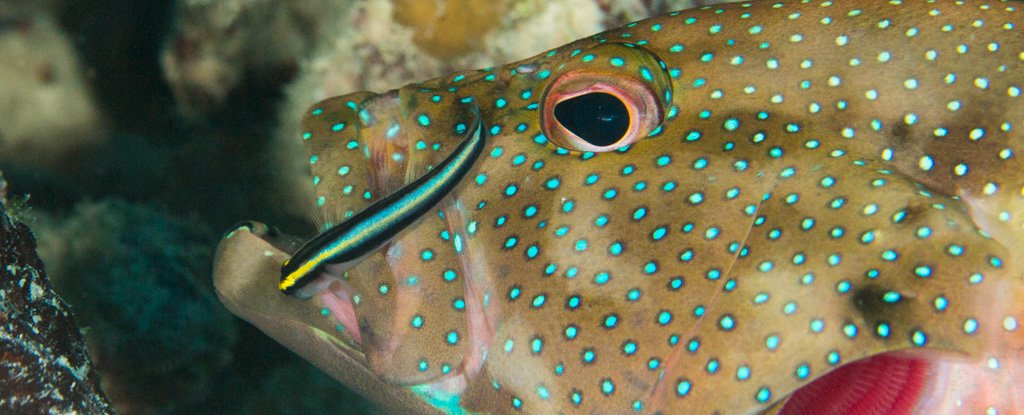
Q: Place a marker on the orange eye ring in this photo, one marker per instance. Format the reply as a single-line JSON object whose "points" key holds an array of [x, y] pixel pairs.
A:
{"points": [[606, 97], [641, 104]]}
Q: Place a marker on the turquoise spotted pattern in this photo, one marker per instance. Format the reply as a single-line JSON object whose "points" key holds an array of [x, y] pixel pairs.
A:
{"points": [[803, 184]]}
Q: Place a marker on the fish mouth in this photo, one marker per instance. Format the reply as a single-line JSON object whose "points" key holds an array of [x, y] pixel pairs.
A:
{"points": [[337, 299], [358, 271], [246, 263]]}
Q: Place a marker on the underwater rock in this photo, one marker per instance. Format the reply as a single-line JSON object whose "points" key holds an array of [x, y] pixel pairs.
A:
{"points": [[138, 280], [218, 44], [47, 109], [45, 365]]}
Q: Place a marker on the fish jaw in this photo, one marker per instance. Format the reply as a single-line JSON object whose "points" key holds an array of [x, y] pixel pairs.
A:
{"points": [[246, 266], [380, 297]]}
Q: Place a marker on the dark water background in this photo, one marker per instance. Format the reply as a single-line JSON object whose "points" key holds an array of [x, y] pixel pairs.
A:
{"points": [[183, 180]]}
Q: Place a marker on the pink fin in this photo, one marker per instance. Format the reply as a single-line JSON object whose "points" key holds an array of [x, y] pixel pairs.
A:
{"points": [[879, 385]]}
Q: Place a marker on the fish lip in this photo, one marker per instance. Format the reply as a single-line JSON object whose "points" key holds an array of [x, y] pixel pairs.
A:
{"points": [[247, 257], [336, 297]]}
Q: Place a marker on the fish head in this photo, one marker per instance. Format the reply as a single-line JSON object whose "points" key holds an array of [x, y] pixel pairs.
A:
{"points": [[658, 219], [368, 145]]}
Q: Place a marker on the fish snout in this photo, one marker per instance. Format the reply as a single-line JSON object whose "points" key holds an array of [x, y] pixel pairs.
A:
{"points": [[377, 269]]}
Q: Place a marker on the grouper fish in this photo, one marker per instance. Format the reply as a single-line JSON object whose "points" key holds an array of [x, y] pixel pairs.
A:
{"points": [[773, 207]]}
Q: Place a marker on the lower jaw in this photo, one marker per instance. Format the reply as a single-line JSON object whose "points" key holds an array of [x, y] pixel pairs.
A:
{"points": [[336, 297], [886, 384]]}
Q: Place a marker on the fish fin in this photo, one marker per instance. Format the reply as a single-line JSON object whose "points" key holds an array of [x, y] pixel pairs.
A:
{"points": [[990, 381]]}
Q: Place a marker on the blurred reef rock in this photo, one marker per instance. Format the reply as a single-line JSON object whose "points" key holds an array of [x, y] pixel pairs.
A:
{"points": [[45, 366], [138, 281], [218, 44], [48, 111]]}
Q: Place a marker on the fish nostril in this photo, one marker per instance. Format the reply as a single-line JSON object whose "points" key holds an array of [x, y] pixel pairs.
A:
{"points": [[365, 328], [879, 306]]}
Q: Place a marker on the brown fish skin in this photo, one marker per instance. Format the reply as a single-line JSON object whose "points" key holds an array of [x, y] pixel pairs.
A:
{"points": [[811, 184]]}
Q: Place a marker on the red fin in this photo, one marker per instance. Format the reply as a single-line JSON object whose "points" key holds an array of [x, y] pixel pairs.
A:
{"points": [[878, 385]]}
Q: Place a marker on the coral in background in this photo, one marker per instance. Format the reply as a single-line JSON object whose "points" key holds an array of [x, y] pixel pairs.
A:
{"points": [[47, 110], [376, 48], [218, 43], [138, 280], [449, 28], [336, 47], [45, 366]]}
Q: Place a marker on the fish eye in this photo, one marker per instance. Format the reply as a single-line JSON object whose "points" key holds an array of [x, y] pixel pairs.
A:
{"points": [[598, 118], [614, 96]]}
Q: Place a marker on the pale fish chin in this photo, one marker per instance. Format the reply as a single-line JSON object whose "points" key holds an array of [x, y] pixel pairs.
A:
{"points": [[338, 301]]}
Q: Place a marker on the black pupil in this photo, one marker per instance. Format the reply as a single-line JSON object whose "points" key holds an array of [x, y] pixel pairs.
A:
{"points": [[598, 118]]}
